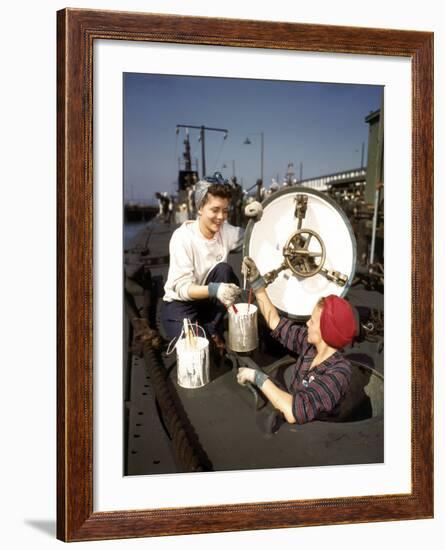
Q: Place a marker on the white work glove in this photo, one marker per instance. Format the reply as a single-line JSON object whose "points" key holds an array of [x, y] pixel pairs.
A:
{"points": [[245, 375], [254, 210], [226, 293], [253, 275], [254, 376]]}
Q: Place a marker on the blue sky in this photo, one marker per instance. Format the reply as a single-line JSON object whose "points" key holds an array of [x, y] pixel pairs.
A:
{"points": [[321, 125]]}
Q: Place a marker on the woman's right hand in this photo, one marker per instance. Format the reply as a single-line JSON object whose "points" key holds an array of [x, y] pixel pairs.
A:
{"points": [[252, 273], [227, 293], [258, 285]]}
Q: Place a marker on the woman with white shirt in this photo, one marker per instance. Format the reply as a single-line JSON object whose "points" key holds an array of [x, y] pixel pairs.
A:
{"points": [[201, 284]]}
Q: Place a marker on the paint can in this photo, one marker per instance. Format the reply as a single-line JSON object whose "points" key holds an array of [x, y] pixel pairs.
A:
{"points": [[243, 328], [192, 354]]}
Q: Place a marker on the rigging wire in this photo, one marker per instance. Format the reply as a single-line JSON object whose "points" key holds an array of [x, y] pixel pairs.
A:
{"points": [[250, 188], [219, 152], [176, 147]]}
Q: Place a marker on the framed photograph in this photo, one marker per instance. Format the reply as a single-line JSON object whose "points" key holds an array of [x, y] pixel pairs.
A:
{"points": [[293, 116]]}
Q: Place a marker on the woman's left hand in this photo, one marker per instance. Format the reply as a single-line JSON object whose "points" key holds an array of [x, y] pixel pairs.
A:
{"points": [[245, 375], [254, 210]]}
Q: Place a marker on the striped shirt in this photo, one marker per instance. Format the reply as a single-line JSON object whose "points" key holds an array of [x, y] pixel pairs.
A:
{"points": [[317, 391]]}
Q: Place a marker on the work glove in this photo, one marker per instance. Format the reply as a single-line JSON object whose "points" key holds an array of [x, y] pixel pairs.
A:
{"points": [[226, 293], [252, 274], [254, 210], [254, 376]]}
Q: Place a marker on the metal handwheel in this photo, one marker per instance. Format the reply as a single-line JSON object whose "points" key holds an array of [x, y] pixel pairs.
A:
{"points": [[302, 260]]}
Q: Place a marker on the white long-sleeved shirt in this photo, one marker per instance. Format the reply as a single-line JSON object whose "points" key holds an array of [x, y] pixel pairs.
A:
{"points": [[192, 256]]}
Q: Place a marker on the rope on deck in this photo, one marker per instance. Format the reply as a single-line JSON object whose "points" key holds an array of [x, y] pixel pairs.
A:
{"points": [[147, 341], [183, 448]]}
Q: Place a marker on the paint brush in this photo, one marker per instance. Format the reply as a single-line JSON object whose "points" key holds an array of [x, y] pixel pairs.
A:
{"points": [[233, 306], [249, 300], [186, 331], [244, 271], [192, 335]]}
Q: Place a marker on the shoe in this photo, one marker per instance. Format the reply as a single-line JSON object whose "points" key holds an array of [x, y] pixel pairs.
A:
{"points": [[219, 344]]}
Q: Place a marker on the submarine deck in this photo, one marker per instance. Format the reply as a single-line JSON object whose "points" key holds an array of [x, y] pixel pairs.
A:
{"points": [[220, 418]]}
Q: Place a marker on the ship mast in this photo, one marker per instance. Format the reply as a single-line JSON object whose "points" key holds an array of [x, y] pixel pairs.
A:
{"points": [[202, 130], [186, 154]]}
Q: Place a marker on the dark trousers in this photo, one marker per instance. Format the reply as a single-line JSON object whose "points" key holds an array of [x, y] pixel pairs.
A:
{"points": [[209, 312]]}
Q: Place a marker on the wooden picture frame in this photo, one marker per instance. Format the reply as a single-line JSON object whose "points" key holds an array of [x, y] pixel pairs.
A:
{"points": [[77, 31]]}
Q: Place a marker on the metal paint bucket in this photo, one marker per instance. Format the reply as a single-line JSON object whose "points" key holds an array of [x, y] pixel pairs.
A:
{"points": [[192, 355], [243, 328]]}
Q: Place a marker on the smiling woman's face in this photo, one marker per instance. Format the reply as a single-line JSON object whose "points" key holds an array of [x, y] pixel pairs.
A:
{"points": [[212, 215]]}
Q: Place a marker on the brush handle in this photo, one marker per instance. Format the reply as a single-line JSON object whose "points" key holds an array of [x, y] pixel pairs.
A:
{"points": [[249, 300]]}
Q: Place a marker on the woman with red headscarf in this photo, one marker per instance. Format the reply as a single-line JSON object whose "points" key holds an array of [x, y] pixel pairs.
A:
{"points": [[318, 381]]}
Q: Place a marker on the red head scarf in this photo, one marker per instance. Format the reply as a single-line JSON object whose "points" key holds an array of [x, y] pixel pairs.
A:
{"points": [[338, 324]]}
